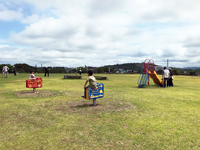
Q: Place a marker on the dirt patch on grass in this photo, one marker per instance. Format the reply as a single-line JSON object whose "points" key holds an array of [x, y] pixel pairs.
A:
{"points": [[86, 106], [42, 93]]}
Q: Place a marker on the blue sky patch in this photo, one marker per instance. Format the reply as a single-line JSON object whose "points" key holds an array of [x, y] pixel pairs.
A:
{"points": [[10, 26]]}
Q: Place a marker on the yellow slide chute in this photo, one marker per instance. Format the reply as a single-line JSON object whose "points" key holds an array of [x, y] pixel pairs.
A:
{"points": [[155, 78]]}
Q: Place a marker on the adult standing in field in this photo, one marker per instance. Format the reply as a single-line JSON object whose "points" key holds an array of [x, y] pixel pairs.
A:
{"points": [[80, 71], [165, 76], [171, 78], [46, 71], [14, 70], [5, 70]]}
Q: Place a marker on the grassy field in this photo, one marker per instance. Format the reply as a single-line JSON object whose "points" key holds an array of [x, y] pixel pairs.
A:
{"points": [[126, 118]]}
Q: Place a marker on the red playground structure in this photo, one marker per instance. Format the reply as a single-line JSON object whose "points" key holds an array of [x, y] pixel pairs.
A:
{"points": [[148, 70]]}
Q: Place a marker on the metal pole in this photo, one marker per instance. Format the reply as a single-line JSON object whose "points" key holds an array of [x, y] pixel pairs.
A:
{"points": [[94, 102], [167, 63]]}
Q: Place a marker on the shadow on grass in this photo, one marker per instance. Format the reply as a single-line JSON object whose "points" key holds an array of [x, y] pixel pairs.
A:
{"points": [[85, 106], [42, 93]]}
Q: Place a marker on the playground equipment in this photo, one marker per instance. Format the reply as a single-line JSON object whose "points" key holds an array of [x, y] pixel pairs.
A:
{"points": [[91, 94], [101, 78], [72, 77], [148, 70], [34, 83]]}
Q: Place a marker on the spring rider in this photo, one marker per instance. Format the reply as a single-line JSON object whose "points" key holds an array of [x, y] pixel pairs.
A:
{"points": [[34, 83], [91, 94]]}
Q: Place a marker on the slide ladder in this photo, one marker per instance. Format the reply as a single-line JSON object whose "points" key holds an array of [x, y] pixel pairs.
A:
{"points": [[142, 81]]}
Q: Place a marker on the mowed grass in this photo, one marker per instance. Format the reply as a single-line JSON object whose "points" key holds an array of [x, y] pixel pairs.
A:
{"points": [[161, 118]]}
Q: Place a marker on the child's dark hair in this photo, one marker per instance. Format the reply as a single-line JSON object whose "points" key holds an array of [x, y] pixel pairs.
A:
{"points": [[165, 68], [31, 71], [90, 72]]}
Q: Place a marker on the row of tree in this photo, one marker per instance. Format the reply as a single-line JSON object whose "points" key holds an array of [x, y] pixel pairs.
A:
{"points": [[96, 70], [177, 71], [25, 68]]}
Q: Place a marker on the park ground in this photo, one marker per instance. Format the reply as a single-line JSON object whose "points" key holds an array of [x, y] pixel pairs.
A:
{"points": [[126, 118]]}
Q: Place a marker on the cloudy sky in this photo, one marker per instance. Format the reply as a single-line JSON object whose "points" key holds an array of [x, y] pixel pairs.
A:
{"points": [[99, 32]]}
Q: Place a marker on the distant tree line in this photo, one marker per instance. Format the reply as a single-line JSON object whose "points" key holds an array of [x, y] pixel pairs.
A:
{"points": [[74, 70], [177, 71], [25, 68], [104, 70], [95, 70], [128, 66]]}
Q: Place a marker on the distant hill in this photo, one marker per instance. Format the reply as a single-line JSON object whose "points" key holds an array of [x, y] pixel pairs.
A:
{"points": [[138, 66], [191, 68], [127, 66]]}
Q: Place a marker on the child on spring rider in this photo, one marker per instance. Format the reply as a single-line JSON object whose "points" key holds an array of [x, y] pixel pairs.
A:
{"points": [[92, 81]]}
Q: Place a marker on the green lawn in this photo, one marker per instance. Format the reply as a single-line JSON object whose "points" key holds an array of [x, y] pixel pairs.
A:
{"points": [[126, 118]]}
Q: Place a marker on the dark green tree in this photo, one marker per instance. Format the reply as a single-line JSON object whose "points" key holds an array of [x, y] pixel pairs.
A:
{"points": [[176, 71], [160, 71], [99, 70], [193, 73]]}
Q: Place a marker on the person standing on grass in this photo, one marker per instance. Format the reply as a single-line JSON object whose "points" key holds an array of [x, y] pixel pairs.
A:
{"points": [[46, 71], [2, 73], [14, 70], [32, 77], [165, 76], [5, 70], [171, 78]]}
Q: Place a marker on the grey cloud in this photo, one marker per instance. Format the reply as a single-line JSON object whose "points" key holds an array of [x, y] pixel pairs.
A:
{"points": [[64, 57], [192, 52], [67, 33], [158, 15], [192, 42], [178, 60], [62, 50], [193, 45], [87, 47], [91, 32], [167, 53], [7, 48], [104, 7], [137, 54], [39, 62], [133, 31]]}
